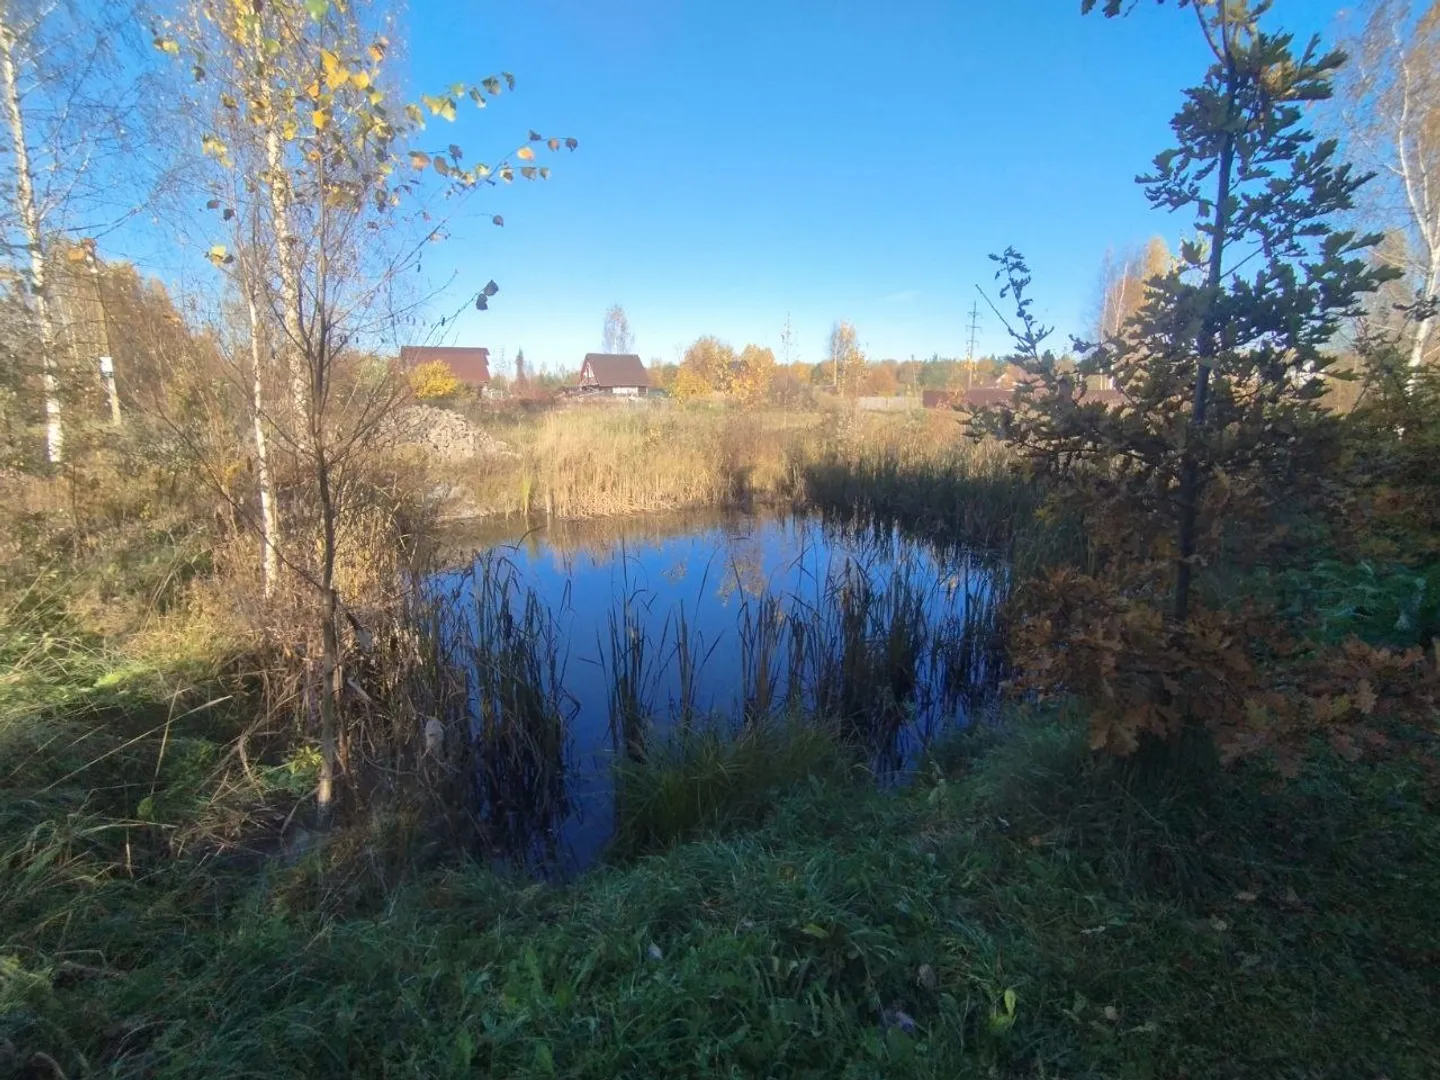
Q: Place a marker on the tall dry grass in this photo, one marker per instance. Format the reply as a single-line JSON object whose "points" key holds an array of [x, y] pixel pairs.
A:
{"points": [[596, 461]]}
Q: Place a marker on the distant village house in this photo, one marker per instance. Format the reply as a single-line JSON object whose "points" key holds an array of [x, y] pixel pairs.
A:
{"points": [[470, 366], [620, 374]]}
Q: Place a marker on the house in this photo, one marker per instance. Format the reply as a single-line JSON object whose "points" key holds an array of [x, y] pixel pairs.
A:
{"points": [[470, 366], [621, 374]]}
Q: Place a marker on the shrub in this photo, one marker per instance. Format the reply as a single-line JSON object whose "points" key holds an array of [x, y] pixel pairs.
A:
{"points": [[433, 380]]}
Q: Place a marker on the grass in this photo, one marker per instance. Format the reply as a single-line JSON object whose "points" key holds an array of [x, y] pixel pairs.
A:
{"points": [[1018, 912], [596, 462], [1017, 909], [711, 778], [589, 462]]}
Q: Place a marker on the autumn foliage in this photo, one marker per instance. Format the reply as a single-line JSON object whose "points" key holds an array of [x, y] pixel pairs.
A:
{"points": [[1218, 455], [432, 380], [712, 369], [1248, 681]]}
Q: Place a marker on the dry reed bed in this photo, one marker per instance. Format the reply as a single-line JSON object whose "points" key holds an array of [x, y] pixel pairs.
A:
{"points": [[596, 462]]}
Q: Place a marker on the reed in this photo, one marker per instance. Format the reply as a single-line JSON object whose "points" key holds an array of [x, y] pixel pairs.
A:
{"points": [[519, 712], [596, 462], [874, 654], [714, 778]]}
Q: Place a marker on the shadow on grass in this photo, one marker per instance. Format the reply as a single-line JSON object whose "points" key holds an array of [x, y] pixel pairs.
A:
{"points": [[1020, 910]]}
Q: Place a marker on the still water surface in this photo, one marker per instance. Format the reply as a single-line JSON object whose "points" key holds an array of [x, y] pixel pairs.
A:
{"points": [[707, 587]]}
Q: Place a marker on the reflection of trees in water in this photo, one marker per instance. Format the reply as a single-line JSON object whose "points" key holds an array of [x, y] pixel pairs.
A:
{"points": [[858, 630], [742, 561]]}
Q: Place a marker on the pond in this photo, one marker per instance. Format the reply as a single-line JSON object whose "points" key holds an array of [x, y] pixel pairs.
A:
{"points": [[587, 641]]}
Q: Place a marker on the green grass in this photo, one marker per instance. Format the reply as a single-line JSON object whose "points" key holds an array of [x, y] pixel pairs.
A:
{"points": [[713, 779], [1017, 912]]}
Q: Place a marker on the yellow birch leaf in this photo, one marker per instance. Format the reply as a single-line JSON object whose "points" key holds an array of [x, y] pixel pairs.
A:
{"points": [[335, 74], [525, 154]]}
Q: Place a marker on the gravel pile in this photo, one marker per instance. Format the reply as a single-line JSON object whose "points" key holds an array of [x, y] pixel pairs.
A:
{"points": [[444, 433]]}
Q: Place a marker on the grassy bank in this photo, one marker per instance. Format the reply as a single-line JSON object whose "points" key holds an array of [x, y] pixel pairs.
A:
{"points": [[1009, 915], [1021, 909]]}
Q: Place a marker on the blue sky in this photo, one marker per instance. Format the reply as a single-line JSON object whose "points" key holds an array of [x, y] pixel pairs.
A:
{"points": [[826, 158]]}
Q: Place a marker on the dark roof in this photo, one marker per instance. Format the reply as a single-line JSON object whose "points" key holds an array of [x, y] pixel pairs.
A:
{"points": [[613, 369], [469, 365]]}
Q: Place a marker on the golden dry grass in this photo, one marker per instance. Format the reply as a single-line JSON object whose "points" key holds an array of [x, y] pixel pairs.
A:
{"points": [[596, 461]]}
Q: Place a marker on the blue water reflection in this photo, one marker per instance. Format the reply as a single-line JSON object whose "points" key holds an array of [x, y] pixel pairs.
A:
{"points": [[716, 600]]}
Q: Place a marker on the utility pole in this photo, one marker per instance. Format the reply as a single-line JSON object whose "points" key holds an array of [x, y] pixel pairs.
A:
{"points": [[970, 349]]}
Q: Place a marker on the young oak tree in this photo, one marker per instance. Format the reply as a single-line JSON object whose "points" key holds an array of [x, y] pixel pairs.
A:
{"points": [[1220, 377]]}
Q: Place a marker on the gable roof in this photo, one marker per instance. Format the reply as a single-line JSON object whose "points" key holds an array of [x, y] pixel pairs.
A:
{"points": [[469, 365], [613, 369]]}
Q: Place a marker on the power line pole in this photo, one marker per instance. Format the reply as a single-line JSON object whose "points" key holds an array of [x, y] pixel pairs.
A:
{"points": [[970, 350]]}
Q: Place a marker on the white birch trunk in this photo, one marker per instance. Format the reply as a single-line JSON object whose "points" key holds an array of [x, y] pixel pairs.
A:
{"points": [[285, 255], [1426, 324], [269, 526], [29, 216]]}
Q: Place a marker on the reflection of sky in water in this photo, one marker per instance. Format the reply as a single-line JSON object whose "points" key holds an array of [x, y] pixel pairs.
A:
{"points": [[711, 572]]}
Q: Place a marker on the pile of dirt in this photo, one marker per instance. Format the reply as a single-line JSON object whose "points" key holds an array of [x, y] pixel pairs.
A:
{"points": [[445, 434]]}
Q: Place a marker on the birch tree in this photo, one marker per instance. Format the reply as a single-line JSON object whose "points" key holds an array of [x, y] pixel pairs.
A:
{"points": [[1123, 277], [617, 337], [344, 202], [64, 98], [1391, 117], [13, 42], [844, 357]]}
